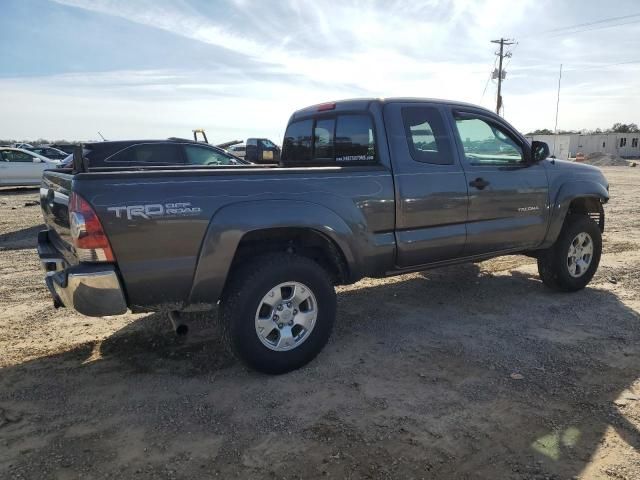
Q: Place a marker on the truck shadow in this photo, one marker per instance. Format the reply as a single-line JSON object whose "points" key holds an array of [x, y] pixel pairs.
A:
{"points": [[451, 373], [17, 191], [20, 239]]}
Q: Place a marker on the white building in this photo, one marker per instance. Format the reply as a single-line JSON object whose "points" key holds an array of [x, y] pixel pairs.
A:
{"points": [[567, 145]]}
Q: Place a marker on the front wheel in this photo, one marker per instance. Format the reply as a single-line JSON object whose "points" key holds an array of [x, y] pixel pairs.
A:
{"points": [[278, 312], [571, 262]]}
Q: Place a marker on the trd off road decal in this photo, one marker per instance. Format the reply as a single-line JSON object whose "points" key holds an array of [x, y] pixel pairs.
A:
{"points": [[156, 210]]}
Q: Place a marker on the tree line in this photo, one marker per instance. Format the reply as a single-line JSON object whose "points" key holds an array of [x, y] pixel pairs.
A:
{"points": [[616, 128], [39, 141]]}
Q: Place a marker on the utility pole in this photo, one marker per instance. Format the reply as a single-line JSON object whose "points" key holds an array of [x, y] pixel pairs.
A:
{"points": [[555, 127], [501, 55]]}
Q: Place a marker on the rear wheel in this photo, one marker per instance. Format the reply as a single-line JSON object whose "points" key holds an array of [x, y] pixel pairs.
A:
{"points": [[278, 312], [570, 263]]}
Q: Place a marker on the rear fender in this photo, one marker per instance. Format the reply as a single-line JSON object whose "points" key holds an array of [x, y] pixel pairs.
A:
{"points": [[567, 194], [232, 222]]}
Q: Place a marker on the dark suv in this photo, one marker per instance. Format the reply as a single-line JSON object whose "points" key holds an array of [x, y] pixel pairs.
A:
{"points": [[173, 151]]}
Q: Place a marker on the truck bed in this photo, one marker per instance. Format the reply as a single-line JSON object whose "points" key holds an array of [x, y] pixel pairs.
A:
{"points": [[174, 230]]}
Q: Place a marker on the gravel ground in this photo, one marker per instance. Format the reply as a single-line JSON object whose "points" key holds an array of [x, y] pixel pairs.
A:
{"points": [[476, 371]]}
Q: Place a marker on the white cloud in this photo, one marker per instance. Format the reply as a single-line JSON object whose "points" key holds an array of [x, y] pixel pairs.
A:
{"points": [[292, 54]]}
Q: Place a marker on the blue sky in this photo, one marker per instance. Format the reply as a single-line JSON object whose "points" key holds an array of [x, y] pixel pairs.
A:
{"points": [[159, 68]]}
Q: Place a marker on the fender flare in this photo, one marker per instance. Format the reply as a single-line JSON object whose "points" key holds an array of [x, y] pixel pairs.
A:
{"points": [[567, 193], [229, 224]]}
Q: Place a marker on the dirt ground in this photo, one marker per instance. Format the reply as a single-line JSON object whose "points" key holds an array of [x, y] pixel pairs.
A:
{"points": [[475, 371]]}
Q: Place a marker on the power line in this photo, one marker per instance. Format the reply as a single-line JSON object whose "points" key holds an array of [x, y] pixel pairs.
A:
{"points": [[588, 24], [510, 55], [578, 28], [579, 68], [489, 79], [597, 27], [597, 67]]}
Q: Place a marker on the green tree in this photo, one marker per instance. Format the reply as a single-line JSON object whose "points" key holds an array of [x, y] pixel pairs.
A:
{"points": [[541, 131], [624, 128]]}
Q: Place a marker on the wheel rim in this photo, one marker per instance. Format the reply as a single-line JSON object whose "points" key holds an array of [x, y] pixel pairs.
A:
{"points": [[286, 316], [580, 254]]}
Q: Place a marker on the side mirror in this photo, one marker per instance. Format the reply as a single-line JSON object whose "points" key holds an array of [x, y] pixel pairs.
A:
{"points": [[539, 151], [36, 160]]}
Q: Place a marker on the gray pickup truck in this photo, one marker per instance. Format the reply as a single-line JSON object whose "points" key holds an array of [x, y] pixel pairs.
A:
{"points": [[364, 188]]}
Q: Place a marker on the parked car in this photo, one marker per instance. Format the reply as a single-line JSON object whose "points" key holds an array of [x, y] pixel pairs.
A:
{"points": [[173, 151], [49, 152], [19, 167], [365, 188], [65, 147], [237, 150]]}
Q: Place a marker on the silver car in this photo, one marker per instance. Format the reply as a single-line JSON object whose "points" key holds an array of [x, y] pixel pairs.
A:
{"points": [[20, 167]]}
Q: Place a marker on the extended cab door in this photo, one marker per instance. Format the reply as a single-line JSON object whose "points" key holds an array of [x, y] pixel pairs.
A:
{"points": [[431, 188], [508, 194]]}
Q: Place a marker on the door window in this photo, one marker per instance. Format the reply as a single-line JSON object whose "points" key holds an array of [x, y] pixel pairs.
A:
{"points": [[266, 143], [426, 135], [18, 157], [485, 143], [206, 156]]}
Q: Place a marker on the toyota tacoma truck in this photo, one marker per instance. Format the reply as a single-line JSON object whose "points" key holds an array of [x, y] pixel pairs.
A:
{"points": [[364, 188]]}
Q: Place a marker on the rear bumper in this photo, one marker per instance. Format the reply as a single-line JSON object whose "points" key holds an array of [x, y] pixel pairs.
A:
{"points": [[92, 290]]}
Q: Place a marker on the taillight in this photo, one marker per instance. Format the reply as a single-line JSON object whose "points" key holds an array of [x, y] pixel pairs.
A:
{"points": [[323, 107], [92, 245]]}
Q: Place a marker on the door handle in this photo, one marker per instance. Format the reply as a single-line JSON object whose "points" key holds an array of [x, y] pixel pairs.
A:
{"points": [[479, 183]]}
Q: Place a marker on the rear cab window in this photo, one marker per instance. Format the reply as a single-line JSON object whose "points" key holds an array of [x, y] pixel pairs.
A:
{"points": [[149, 153], [297, 144], [337, 139]]}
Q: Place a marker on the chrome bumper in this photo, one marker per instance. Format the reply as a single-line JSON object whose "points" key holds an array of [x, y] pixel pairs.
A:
{"points": [[92, 290]]}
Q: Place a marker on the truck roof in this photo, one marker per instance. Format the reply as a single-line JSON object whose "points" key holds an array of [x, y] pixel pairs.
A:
{"points": [[364, 104]]}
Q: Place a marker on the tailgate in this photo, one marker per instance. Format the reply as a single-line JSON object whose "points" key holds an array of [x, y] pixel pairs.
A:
{"points": [[54, 201]]}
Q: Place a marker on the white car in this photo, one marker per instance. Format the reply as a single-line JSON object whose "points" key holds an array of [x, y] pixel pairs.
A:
{"points": [[238, 150], [20, 167]]}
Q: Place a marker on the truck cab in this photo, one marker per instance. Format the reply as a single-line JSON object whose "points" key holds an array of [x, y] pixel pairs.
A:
{"points": [[261, 150]]}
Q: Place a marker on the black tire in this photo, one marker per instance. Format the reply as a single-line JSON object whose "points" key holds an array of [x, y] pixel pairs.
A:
{"points": [[244, 294], [552, 263]]}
